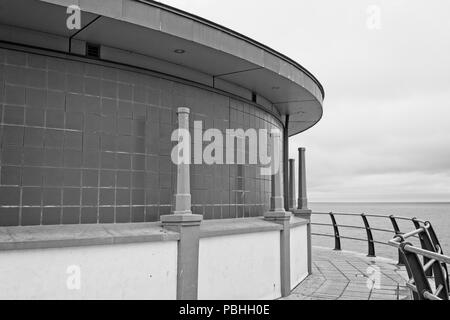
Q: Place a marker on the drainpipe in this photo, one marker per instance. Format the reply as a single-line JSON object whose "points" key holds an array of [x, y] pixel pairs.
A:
{"points": [[286, 163]]}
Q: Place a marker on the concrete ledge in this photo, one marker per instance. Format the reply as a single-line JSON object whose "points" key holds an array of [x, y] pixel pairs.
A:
{"points": [[216, 228], [58, 236], [182, 219]]}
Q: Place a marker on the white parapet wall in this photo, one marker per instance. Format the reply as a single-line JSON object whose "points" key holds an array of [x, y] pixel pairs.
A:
{"points": [[123, 271], [237, 259], [240, 266], [299, 254]]}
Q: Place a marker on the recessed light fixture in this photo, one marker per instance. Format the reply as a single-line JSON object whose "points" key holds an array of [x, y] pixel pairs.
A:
{"points": [[179, 51]]}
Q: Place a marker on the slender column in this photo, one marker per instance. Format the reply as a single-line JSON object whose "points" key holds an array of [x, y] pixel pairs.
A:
{"points": [[277, 199], [302, 199], [277, 214], [287, 197], [183, 195], [302, 210], [292, 204], [186, 224]]}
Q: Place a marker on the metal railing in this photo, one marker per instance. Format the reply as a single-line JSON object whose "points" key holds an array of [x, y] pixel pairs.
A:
{"points": [[364, 226], [419, 271], [433, 268]]}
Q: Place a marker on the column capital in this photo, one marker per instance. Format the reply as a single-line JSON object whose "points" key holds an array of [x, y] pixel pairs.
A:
{"points": [[278, 216], [183, 110], [302, 213]]}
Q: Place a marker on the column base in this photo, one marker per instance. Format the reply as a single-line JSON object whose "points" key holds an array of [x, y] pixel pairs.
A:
{"points": [[188, 226], [277, 216], [283, 218], [184, 218]]}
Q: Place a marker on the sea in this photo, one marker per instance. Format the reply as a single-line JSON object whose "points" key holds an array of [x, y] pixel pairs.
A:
{"points": [[437, 213]]}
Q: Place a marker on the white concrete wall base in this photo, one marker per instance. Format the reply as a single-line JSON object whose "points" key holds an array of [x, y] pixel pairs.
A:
{"points": [[240, 259], [299, 250], [128, 271], [228, 269]]}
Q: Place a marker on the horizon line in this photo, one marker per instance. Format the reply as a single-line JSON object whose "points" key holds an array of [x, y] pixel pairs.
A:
{"points": [[379, 201]]}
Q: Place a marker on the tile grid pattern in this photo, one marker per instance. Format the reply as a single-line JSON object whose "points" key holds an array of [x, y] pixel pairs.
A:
{"points": [[84, 143]]}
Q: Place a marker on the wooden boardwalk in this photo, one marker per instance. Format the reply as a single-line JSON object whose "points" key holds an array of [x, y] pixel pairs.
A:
{"points": [[343, 275]]}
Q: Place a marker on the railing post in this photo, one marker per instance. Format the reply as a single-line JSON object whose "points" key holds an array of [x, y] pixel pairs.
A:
{"points": [[370, 243], [397, 232], [414, 268], [417, 270], [435, 241], [424, 245], [437, 269], [337, 238]]}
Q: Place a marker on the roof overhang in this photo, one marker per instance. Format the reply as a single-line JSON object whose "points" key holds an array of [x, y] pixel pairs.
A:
{"points": [[155, 30]]}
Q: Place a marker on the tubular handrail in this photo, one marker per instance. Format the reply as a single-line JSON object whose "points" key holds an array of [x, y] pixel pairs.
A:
{"points": [[382, 230], [434, 264], [350, 226], [409, 219], [341, 237], [341, 225], [371, 241], [345, 237], [369, 215], [429, 254]]}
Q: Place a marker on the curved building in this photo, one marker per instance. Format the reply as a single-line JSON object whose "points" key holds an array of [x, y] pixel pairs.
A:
{"points": [[88, 110]]}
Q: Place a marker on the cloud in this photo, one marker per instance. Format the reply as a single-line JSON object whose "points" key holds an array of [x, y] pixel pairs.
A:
{"points": [[385, 134], [367, 152]]}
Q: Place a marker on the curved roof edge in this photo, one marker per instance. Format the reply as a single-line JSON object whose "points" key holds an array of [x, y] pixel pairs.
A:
{"points": [[217, 55], [237, 35]]}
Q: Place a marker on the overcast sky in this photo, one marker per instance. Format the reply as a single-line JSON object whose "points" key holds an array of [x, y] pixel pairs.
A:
{"points": [[385, 133]]}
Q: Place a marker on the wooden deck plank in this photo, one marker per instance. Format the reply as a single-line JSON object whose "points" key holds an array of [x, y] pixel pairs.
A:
{"points": [[344, 275]]}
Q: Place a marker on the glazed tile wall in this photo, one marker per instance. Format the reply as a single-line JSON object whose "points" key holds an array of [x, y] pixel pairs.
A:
{"points": [[86, 143]]}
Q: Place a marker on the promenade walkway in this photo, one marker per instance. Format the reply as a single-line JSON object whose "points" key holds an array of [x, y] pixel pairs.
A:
{"points": [[343, 275]]}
